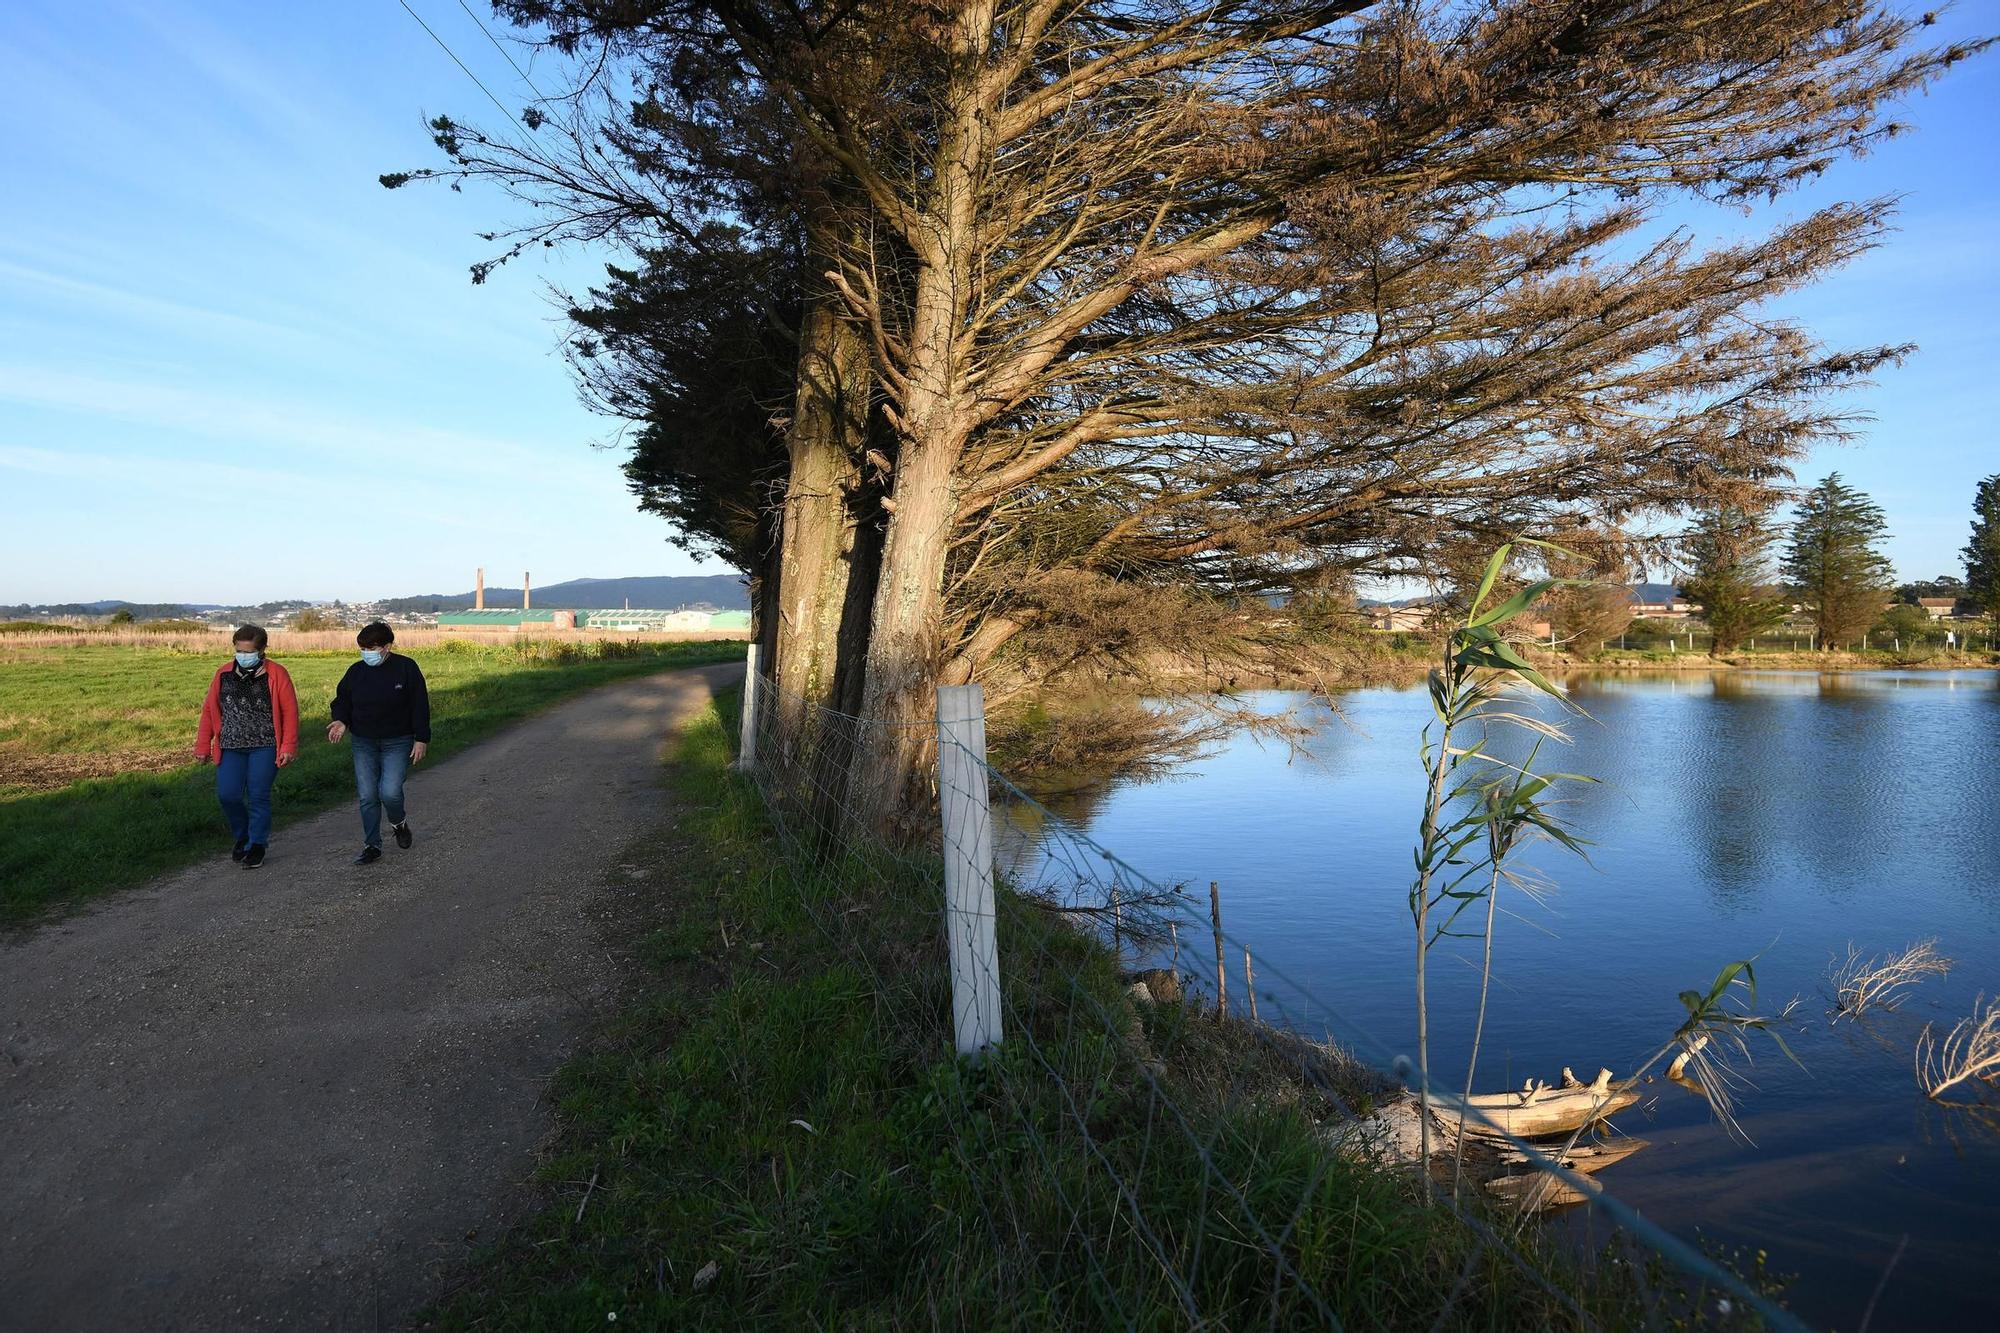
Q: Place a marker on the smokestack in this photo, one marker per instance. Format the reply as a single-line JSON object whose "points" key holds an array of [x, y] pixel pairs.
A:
{"points": [[524, 590], [479, 591]]}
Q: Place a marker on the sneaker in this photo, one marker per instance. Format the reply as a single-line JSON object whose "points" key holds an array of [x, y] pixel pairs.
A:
{"points": [[368, 856], [253, 856], [240, 850], [402, 832]]}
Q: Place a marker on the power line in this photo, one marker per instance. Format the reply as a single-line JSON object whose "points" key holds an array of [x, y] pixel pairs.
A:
{"points": [[504, 53], [454, 58]]}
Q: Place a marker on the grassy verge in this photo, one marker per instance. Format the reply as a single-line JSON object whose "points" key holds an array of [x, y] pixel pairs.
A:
{"points": [[772, 1135], [112, 709]]}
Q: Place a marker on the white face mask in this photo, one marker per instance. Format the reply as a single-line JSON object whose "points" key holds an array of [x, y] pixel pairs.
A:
{"points": [[373, 656]]}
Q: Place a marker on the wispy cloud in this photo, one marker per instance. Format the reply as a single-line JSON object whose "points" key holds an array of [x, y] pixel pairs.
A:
{"points": [[130, 303], [192, 479], [349, 444]]}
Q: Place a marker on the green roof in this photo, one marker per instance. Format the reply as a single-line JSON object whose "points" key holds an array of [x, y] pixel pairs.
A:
{"points": [[503, 616]]}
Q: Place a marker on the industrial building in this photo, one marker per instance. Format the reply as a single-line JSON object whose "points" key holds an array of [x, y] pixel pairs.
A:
{"points": [[526, 617], [640, 622]]}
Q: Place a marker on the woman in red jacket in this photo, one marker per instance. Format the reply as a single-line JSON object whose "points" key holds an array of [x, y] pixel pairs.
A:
{"points": [[250, 730]]}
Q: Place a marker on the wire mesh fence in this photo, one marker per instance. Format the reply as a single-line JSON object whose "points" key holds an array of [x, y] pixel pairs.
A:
{"points": [[1164, 1132]]}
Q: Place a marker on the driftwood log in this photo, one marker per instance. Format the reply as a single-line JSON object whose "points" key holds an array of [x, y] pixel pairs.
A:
{"points": [[1537, 1110]]}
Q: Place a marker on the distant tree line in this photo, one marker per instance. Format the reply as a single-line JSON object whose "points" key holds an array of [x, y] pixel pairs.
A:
{"points": [[131, 610], [987, 328], [1833, 566]]}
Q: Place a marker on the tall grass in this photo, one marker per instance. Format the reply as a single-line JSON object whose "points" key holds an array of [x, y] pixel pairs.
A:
{"points": [[13, 644]]}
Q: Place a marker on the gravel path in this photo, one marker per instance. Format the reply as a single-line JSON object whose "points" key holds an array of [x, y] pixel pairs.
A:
{"points": [[295, 1097]]}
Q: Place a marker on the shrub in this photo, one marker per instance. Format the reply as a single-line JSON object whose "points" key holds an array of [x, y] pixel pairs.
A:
{"points": [[314, 618]]}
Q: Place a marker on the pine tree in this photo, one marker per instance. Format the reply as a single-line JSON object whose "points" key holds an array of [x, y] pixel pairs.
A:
{"points": [[1833, 561], [1729, 559], [1982, 553]]}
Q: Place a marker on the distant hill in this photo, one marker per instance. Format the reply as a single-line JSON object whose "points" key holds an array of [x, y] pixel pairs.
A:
{"points": [[725, 592], [139, 610]]}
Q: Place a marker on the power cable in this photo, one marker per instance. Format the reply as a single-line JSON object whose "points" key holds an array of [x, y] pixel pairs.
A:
{"points": [[454, 58], [504, 53]]}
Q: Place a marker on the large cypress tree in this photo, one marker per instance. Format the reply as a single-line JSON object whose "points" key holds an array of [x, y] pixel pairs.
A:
{"points": [[1729, 559], [1833, 561], [1982, 553]]}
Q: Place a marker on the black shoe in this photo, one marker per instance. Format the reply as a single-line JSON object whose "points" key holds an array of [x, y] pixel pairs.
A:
{"points": [[240, 850], [368, 856], [253, 856], [402, 832]]}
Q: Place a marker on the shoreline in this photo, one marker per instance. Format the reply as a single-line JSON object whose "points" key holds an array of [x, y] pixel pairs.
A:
{"points": [[1339, 672], [1819, 663]]}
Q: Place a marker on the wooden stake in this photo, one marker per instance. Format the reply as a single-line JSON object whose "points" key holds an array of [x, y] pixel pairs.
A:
{"points": [[968, 868], [1117, 927], [1174, 929], [1250, 984], [1221, 968], [746, 731]]}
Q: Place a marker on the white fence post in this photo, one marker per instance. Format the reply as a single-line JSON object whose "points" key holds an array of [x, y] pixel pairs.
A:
{"points": [[746, 740], [968, 868]]}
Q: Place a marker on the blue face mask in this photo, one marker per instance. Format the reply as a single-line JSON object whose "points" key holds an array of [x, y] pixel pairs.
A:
{"points": [[248, 660], [373, 656]]}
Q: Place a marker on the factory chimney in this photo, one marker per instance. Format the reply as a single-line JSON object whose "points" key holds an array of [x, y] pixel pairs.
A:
{"points": [[479, 591], [524, 590]]}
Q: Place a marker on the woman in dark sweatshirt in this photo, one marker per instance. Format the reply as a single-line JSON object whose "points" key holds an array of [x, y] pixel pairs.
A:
{"points": [[381, 702]]}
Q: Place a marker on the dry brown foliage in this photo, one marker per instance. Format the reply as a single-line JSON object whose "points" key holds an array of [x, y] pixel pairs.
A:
{"points": [[1861, 984], [1969, 1052]]}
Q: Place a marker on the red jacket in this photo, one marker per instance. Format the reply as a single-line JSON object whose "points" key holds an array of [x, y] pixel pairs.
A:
{"points": [[284, 713]]}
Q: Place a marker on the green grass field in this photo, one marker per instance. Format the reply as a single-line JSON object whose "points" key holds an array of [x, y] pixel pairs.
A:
{"points": [[97, 787]]}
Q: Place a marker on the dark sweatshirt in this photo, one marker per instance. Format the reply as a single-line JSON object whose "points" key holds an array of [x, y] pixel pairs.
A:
{"points": [[384, 702]]}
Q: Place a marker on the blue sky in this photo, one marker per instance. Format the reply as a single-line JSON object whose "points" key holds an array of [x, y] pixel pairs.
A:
{"points": [[233, 367]]}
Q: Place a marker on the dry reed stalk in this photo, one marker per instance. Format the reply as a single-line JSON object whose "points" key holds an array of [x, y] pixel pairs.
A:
{"points": [[1971, 1050], [1860, 984]]}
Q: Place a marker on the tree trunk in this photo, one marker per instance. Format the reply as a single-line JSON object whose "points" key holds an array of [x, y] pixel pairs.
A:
{"points": [[903, 639], [764, 586], [825, 445], [904, 646]]}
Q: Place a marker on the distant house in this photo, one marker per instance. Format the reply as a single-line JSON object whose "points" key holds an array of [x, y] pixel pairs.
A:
{"points": [[1405, 619], [1938, 608], [1663, 608]]}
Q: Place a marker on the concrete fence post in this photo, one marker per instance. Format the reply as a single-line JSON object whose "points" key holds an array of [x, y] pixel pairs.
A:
{"points": [[968, 868], [746, 741]]}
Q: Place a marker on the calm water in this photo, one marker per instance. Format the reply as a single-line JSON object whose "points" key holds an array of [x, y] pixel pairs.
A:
{"points": [[1777, 814]]}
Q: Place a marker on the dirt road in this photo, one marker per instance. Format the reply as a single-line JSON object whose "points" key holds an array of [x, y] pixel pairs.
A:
{"points": [[290, 1097]]}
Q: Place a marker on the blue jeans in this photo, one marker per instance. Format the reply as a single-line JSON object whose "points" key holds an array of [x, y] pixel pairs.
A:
{"points": [[243, 784], [379, 766]]}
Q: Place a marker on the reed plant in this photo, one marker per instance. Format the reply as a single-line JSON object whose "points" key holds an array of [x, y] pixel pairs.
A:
{"points": [[1482, 808], [1479, 808]]}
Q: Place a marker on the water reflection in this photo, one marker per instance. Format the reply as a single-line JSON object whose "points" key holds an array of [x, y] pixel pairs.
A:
{"points": [[1777, 814]]}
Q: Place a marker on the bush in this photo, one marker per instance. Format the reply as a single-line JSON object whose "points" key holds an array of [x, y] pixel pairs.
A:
{"points": [[313, 619]]}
